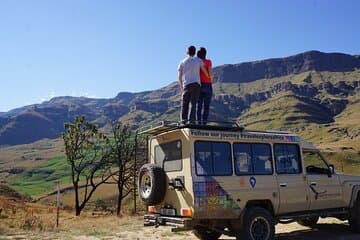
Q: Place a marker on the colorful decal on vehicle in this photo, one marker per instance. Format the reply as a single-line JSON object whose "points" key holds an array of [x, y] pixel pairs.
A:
{"points": [[252, 182], [244, 136], [242, 182], [211, 194]]}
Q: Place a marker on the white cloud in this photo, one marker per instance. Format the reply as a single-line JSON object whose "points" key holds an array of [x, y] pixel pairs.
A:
{"points": [[83, 94], [53, 94], [48, 96]]}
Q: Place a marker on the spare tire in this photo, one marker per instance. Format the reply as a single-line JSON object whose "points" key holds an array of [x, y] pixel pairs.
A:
{"points": [[152, 184]]}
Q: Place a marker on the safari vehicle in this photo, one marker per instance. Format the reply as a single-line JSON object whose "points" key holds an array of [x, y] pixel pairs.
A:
{"points": [[227, 180]]}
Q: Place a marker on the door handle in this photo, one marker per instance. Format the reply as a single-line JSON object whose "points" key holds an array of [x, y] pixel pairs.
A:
{"points": [[312, 185], [283, 184]]}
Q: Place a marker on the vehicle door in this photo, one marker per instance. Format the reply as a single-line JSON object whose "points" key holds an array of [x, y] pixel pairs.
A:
{"points": [[325, 190], [290, 178], [212, 177], [254, 170]]}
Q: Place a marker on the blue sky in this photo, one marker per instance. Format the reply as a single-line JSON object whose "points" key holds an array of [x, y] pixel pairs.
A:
{"points": [[99, 48]]}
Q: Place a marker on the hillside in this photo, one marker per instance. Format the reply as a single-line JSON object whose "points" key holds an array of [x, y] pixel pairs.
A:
{"points": [[295, 93], [318, 99], [278, 67]]}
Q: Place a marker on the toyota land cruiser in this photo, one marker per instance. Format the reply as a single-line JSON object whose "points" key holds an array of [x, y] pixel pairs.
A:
{"points": [[226, 180]]}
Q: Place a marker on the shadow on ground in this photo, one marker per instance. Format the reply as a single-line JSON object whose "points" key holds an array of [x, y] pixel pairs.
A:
{"points": [[323, 231]]}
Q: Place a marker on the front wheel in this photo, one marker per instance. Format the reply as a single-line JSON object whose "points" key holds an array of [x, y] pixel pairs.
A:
{"points": [[258, 225], [354, 219]]}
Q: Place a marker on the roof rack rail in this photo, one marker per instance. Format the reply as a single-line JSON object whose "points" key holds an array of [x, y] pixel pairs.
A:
{"points": [[164, 126], [278, 131], [270, 131], [160, 125]]}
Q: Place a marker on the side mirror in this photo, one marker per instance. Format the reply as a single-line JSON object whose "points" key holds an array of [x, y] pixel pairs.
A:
{"points": [[331, 170]]}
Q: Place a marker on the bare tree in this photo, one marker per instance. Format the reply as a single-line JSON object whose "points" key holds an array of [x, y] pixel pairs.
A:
{"points": [[87, 154], [123, 150]]}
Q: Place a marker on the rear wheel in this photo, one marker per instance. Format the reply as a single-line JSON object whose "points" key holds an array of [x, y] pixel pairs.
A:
{"points": [[309, 221], [258, 225], [206, 234], [354, 219]]}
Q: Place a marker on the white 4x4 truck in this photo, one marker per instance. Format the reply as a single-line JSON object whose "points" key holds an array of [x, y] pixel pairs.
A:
{"points": [[225, 180]]}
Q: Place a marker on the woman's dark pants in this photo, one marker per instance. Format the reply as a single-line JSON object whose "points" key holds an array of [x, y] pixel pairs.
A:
{"points": [[204, 101]]}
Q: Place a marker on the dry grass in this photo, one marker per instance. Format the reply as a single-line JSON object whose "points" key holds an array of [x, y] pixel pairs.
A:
{"points": [[24, 220], [20, 215]]}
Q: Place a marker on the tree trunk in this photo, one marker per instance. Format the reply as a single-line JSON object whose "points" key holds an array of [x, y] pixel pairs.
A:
{"points": [[77, 210], [77, 206], [120, 197], [134, 173]]}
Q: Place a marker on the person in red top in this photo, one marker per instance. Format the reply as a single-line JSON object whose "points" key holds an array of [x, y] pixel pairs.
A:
{"points": [[203, 105]]}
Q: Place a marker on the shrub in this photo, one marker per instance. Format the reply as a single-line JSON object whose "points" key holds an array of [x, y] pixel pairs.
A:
{"points": [[100, 205]]}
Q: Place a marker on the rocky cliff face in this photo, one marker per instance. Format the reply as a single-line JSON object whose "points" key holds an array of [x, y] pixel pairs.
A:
{"points": [[277, 67], [329, 94]]}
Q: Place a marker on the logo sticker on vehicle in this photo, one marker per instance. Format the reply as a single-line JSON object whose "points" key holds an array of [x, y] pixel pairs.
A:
{"points": [[252, 181]]}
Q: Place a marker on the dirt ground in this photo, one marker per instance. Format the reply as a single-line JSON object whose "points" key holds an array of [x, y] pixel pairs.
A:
{"points": [[110, 227], [24, 220]]}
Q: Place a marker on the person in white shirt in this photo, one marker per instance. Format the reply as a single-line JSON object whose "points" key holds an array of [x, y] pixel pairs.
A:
{"points": [[189, 81]]}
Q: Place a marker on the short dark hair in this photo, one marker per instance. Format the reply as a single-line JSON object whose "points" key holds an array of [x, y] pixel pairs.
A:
{"points": [[191, 50], [201, 53]]}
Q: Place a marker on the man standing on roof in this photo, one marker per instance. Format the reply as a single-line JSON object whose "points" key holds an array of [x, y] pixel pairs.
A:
{"points": [[189, 81]]}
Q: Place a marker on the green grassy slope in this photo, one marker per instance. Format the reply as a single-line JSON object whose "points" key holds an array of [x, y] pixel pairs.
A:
{"points": [[283, 111], [44, 177]]}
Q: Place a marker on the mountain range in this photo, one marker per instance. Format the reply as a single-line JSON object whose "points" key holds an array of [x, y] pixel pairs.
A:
{"points": [[313, 93]]}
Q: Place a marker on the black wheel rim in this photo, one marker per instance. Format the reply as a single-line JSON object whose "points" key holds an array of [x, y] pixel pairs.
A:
{"points": [[259, 229]]}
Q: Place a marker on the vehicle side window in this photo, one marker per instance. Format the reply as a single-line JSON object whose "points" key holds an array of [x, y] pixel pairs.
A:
{"points": [[242, 156], [287, 158], [212, 158], [252, 158], [314, 164], [203, 158], [168, 155]]}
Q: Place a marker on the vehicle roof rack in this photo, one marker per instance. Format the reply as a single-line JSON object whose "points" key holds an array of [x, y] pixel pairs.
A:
{"points": [[278, 132], [159, 127], [165, 126]]}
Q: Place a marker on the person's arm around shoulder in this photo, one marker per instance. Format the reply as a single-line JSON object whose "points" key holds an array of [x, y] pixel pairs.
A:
{"points": [[211, 75], [203, 68]]}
